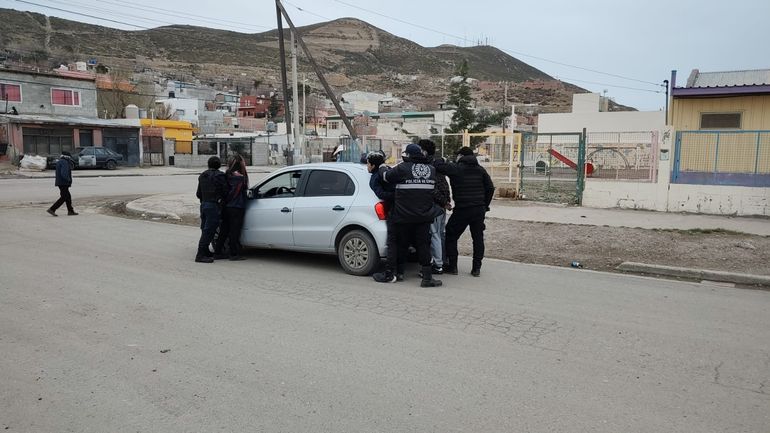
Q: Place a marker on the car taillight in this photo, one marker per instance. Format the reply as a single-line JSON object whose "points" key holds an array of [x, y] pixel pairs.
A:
{"points": [[381, 210]]}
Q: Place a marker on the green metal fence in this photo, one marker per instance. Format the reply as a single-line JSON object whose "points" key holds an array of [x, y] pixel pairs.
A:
{"points": [[553, 167]]}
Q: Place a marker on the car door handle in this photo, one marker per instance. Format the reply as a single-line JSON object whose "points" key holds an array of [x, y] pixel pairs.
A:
{"points": [[338, 207], [285, 210]]}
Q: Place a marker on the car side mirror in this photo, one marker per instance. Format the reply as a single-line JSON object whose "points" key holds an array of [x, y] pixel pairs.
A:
{"points": [[250, 194]]}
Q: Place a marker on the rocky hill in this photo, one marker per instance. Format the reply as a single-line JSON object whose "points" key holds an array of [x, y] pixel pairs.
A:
{"points": [[355, 54]]}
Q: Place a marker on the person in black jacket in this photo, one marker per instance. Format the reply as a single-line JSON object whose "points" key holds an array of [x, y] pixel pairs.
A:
{"points": [[472, 190], [212, 191], [64, 182], [234, 210], [413, 211]]}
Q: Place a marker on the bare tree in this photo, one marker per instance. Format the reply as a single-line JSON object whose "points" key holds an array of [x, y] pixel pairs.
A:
{"points": [[164, 112], [115, 91]]}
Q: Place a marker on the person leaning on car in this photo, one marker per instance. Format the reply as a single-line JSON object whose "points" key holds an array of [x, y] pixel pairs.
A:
{"points": [[414, 210], [212, 191], [472, 190]]}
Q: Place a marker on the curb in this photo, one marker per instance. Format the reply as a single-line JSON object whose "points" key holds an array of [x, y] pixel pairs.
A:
{"points": [[699, 274], [134, 209]]}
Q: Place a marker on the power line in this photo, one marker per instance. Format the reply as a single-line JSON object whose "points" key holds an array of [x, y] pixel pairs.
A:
{"points": [[307, 11], [187, 16], [84, 15], [607, 85], [519, 53]]}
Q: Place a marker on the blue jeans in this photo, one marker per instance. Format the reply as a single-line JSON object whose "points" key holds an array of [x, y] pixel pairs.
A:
{"points": [[437, 239], [210, 217]]}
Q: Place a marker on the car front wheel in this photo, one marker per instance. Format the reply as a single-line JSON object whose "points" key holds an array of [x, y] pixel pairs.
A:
{"points": [[357, 253]]}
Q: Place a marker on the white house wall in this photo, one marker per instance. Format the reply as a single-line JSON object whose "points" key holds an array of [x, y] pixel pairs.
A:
{"points": [[615, 121], [666, 197]]}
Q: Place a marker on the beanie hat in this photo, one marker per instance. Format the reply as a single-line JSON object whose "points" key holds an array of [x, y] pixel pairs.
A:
{"points": [[64, 152]]}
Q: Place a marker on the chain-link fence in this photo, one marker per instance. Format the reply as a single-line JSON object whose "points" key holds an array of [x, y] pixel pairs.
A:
{"points": [[629, 156], [740, 158], [552, 166]]}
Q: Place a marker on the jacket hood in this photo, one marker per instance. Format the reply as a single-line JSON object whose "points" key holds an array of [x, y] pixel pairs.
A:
{"points": [[468, 159]]}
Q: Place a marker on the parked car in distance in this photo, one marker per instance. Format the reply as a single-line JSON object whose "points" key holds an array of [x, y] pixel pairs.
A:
{"points": [[91, 157], [325, 208]]}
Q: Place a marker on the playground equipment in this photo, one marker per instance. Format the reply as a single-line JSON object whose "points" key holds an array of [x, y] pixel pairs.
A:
{"points": [[589, 168]]}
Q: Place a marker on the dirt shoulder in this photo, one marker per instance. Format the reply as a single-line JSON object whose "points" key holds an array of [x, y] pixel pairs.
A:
{"points": [[604, 248], [598, 248]]}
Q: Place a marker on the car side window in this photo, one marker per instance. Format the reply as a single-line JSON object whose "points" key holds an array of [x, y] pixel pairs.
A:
{"points": [[282, 185], [89, 151], [323, 183], [100, 151]]}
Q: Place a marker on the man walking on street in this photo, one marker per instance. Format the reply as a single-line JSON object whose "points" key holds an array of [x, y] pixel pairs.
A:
{"points": [[212, 191], [64, 181], [413, 212], [472, 190]]}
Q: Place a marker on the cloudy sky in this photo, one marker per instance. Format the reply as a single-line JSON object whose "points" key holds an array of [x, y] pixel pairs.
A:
{"points": [[626, 47]]}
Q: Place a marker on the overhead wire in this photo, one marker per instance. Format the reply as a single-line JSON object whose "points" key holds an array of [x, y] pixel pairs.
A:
{"points": [[519, 53]]}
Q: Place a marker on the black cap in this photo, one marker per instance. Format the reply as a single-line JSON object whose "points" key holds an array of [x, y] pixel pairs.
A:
{"points": [[64, 152]]}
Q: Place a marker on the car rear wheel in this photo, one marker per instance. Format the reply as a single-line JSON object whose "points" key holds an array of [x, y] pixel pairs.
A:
{"points": [[111, 165], [357, 253]]}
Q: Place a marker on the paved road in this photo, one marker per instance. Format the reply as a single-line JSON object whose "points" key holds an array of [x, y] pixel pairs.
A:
{"points": [[27, 190], [107, 325]]}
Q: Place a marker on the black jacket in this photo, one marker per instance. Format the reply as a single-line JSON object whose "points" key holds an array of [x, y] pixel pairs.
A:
{"points": [[441, 194], [64, 171], [212, 187], [415, 180], [471, 185]]}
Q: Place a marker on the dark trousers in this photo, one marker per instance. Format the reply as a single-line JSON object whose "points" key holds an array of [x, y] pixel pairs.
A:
{"points": [[64, 197], [416, 233], [394, 261], [230, 231], [462, 218], [210, 216]]}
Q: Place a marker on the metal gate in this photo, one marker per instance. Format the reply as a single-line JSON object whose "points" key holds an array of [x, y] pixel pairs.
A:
{"points": [[152, 150], [553, 167]]}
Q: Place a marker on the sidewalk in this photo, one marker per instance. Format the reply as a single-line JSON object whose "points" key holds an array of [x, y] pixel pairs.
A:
{"points": [[131, 171], [186, 206], [540, 212]]}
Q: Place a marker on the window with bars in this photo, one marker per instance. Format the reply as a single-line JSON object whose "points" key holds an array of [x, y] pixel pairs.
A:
{"points": [[720, 120], [10, 92], [65, 97]]}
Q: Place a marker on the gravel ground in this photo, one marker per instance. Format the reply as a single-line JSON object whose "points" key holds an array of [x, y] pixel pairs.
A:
{"points": [[597, 248], [604, 248]]}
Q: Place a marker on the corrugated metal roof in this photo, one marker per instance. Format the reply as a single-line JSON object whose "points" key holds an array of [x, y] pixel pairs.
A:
{"points": [[69, 120], [756, 77]]}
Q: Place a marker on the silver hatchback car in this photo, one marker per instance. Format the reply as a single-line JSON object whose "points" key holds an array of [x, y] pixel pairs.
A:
{"points": [[324, 208]]}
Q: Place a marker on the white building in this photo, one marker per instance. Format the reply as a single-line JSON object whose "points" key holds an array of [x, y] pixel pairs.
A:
{"points": [[589, 111], [185, 109], [363, 101]]}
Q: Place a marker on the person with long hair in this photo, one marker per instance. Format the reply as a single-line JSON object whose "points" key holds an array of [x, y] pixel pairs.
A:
{"points": [[234, 210]]}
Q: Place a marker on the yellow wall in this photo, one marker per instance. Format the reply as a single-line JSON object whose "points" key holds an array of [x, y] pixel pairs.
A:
{"points": [[755, 111], [179, 131]]}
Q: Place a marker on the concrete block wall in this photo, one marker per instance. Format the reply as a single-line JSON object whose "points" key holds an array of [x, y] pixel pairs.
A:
{"points": [[36, 94]]}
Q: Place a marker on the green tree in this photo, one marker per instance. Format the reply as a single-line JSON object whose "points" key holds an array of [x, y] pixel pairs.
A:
{"points": [[465, 116]]}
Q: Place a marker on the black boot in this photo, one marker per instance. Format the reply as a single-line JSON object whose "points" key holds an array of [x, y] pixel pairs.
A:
{"points": [[450, 266], [476, 269], [427, 278]]}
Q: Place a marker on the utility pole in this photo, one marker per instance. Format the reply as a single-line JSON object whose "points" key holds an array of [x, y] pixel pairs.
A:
{"points": [[295, 97], [289, 158], [304, 104], [665, 84]]}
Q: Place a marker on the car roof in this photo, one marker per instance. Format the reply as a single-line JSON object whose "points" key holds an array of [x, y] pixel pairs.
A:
{"points": [[352, 167]]}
